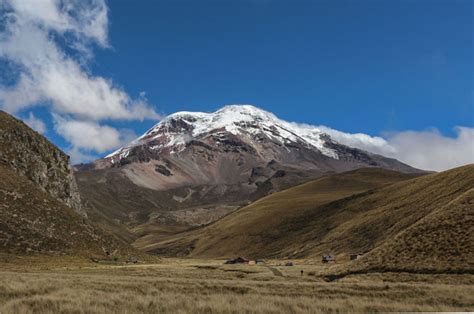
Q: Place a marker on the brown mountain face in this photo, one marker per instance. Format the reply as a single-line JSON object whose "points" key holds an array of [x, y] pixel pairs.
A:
{"points": [[422, 224], [193, 168], [30, 154], [131, 210], [40, 210], [34, 222]]}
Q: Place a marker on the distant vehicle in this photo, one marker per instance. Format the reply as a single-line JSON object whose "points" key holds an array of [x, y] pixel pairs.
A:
{"points": [[131, 260], [328, 258], [238, 260]]}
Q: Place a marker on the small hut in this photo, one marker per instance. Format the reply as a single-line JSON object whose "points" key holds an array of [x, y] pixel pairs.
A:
{"points": [[355, 256]]}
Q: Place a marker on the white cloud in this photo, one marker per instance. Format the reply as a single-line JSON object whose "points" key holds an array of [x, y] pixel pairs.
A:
{"points": [[434, 151], [85, 19], [374, 144], [50, 76], [77, 156], [429, 150], [90, 136], [35, 123], [36, 35]]}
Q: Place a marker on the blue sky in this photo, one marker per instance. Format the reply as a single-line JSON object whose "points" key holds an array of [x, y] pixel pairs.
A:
{"points": [[357, 66], [375, 67]]}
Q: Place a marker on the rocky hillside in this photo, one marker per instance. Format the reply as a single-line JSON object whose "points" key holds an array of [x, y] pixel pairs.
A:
{"points": [[34, 222], [30, 154], [40, 208]]}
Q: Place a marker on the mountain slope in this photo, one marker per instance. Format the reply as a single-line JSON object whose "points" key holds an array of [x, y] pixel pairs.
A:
{"points": [[272, 225], [424, 223], [30, 154], [193, 168], [130, 210]]}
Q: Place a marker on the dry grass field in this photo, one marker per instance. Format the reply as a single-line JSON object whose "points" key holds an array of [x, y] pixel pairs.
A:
{"points": [[199, 286]]}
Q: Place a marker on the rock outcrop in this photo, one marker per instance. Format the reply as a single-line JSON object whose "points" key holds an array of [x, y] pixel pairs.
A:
{"points": [[30, 154]]}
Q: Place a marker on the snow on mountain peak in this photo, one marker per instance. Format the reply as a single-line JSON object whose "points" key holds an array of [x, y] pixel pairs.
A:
{"points": [[240, 120]]}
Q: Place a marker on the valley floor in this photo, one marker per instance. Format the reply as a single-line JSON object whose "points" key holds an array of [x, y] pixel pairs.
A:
{"points": [[198, 286]]}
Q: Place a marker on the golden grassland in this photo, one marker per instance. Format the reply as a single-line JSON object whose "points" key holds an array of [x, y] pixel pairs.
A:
{"points": [[424, 224], [270, 226], [206, 286]]}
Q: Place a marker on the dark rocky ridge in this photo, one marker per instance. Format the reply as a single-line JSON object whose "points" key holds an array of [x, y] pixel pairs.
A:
{"points": [[40, 208], [30, 154]]}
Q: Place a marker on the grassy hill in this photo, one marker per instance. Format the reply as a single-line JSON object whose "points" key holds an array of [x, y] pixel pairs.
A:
{"points": [[420, 224], [442, 241], [271, 226]]}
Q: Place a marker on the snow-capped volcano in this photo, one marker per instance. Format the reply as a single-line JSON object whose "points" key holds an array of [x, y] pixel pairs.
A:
{"points": [[247, 121], [195, 167], [237, 144]]}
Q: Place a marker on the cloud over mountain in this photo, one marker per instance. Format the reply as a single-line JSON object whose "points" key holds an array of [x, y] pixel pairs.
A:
{"points": [[91, 135], [49, 44], [35, 123], [428, 149]]}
